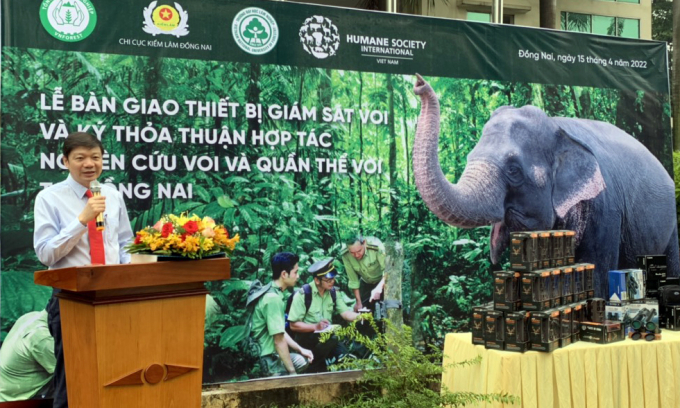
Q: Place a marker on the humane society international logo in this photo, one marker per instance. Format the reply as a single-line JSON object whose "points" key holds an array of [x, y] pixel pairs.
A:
{"points": [[255, 31], [68, 20], [319, 37], [166, 19]]}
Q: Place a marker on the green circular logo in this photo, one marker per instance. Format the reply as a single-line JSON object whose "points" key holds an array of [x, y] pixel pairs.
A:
{"points": [[68, 20], [255, 31]]}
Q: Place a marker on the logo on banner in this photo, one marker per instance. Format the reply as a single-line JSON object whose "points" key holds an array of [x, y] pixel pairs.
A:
{"points": [[68, 20], [255, 31], [319, 37], [166, 19]]}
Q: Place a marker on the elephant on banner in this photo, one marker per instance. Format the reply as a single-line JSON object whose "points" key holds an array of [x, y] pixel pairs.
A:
{"points": [[532, 172]]}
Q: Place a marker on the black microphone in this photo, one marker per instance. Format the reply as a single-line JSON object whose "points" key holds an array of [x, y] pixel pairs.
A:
{"points": [[96, 190]]}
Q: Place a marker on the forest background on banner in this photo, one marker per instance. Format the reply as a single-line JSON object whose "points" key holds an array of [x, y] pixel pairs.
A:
{"points": [[447, 270]]}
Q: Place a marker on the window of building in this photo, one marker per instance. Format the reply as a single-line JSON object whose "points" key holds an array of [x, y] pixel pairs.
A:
{"points": [[614, 26], [483, 17], [629, 27], [486, 17], [604, 25]]}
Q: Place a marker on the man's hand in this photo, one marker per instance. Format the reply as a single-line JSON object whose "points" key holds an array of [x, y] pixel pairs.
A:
{"points": [[376, 293], [307, 354], [358, 306], [322, 325], [94, 206]]}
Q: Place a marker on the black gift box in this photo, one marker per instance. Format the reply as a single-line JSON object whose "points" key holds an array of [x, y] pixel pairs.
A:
{"points": [[477, 322], [589, 280], [557, 254], [506, 292], [579, 282], [517, 347], [654, 266], [569, 247], [545, 249], [494, 330], [516, 327], [536, 290], [567, 285], [602, 333], [524, 251], [672, 318], [545, 330], [556, 287]]}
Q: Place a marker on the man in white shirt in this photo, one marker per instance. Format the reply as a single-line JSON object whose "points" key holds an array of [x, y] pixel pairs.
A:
{"points": [[64, 226]]}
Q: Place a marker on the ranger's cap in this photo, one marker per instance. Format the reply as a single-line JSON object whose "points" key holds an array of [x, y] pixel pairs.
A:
{"points": [[323, 269]]}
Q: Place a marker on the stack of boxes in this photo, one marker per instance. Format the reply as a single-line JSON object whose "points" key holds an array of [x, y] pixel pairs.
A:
{"points": [[633, 297], [546, 300], [654, 270], [540, 303], [597, 328]]}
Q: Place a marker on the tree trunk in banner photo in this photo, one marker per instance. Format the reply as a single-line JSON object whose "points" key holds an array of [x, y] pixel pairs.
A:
{"points": [[394, 265]]}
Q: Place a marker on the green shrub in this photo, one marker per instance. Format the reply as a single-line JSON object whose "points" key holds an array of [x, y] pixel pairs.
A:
{"points": [[399, 375]]}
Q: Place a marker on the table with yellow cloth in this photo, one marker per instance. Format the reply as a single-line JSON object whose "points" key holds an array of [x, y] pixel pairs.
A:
{"points": [[635, 374]]}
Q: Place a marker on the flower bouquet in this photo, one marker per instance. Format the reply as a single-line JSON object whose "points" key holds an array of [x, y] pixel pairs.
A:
{"points": [[187, 236]]}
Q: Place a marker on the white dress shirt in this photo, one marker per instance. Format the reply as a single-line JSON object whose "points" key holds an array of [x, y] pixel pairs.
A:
{"points": [[61, 241]]}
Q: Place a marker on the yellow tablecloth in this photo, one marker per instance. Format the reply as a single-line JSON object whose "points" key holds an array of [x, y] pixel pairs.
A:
{"points": [[626, 374]]}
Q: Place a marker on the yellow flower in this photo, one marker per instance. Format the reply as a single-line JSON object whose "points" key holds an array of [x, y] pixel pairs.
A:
{"points": [[208, 222], [231, 243], [190, 244], [207, 244], [156, 243], [147, 239], [172, 242], [220, 237]]}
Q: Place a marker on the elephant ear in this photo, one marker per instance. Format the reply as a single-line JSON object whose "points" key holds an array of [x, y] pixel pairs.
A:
{"points": [[577, 175]]}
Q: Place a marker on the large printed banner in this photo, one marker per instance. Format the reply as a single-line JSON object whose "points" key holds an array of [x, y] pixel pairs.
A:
{"points": [[295, 125]]}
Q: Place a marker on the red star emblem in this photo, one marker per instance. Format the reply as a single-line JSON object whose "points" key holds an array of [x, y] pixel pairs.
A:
{"points": [[166, 14]]}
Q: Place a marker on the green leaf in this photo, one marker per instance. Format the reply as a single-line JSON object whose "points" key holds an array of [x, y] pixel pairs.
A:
{"points": [[235, 285], [250, 260], [202, 193], [225, 202], [232, 336]]}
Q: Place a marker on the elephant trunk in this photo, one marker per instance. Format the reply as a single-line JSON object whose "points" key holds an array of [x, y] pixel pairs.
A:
{"points": [[477, 199]]}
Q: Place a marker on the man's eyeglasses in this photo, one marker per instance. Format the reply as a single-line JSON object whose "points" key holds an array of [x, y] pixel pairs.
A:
{"points": [[327, 280]]}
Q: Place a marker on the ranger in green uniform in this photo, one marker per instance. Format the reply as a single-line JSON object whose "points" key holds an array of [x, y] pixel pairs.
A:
{"points": [[27, 359], [269, 326], [307, 320], [364, 260]]}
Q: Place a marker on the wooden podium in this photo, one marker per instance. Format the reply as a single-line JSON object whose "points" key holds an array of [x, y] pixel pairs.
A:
{"points": [[133, 334]]}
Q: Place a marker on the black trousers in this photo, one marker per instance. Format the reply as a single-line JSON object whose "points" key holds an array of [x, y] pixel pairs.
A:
{"points": [[59, 379], [365, 293], [330, 351], [365, 290]]}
